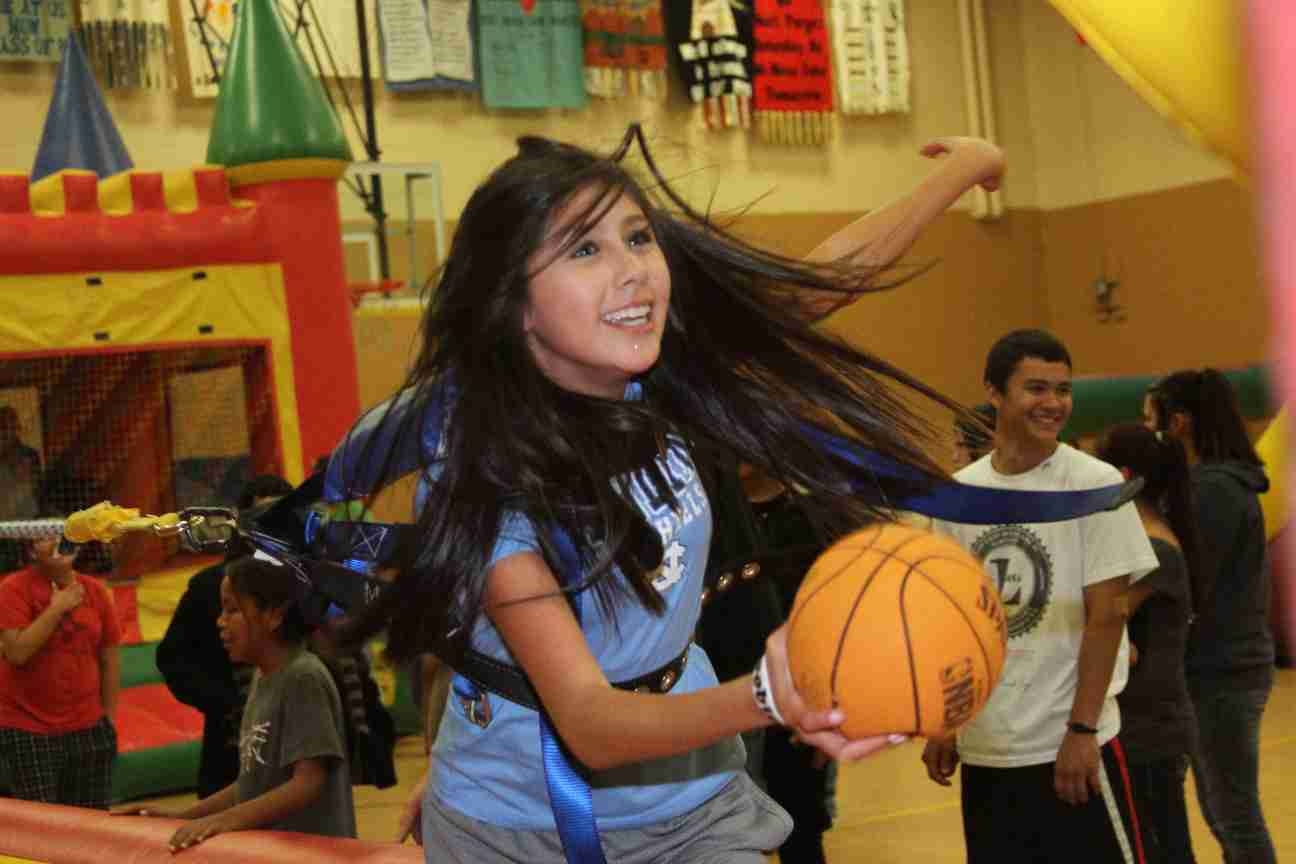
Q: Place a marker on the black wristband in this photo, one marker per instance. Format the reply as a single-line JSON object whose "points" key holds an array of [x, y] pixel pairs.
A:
{"points": [[1081, 729]]}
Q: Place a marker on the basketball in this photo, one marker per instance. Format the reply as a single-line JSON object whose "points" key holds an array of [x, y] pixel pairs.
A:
{"points": [[901, 629]]}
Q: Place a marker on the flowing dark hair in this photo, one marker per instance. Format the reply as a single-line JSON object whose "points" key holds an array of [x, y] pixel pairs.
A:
{"points": [[1218, 433], [1167, 486], [740, 379]]}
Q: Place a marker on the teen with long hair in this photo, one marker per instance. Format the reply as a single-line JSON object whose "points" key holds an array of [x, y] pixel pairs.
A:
{"points": [[1157, 723], [593, 358], [1231, 648]]}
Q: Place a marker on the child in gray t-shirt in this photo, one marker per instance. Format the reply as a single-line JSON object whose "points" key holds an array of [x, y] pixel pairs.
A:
{"points": [[293, 773]]}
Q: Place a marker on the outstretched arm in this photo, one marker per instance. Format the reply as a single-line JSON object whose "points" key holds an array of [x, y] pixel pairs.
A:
{"points": [[303, 787], [606, 727], [882, 236]]}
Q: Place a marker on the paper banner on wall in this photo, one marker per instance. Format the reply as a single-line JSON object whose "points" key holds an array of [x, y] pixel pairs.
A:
{"points": [[426, 44], [1181, 56], [530, 53], [625, 48], [34, 29], [128, 44], [870, 55], [711, 41], [791, 71]]}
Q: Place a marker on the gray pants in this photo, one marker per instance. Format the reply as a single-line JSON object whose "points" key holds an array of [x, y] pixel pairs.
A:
{"points": [[1226, 766], [737, 826]]}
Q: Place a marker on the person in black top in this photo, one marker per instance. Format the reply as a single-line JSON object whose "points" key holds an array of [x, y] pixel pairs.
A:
{"points": [[1158, 727], [1230, 655], [764, 545]]}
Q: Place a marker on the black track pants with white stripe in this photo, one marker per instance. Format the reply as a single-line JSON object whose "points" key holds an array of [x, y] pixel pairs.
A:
{"points": [[1014, 815]]}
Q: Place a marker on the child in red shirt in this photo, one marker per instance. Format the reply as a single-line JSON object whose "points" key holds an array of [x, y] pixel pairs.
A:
{"points": [[59, 677]]}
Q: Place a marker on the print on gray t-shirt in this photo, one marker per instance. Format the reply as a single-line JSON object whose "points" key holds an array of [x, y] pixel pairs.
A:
{"points": [[292, 715]]}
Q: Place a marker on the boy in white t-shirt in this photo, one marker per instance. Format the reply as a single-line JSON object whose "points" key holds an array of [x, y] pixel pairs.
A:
{"points": [[1043, 772]]}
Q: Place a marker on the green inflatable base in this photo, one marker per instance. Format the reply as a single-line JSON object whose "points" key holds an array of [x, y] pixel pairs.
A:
{"points": [[156, 771]]}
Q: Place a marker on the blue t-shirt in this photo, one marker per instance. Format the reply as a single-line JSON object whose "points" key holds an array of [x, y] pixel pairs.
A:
{"points": [[496, 774]]}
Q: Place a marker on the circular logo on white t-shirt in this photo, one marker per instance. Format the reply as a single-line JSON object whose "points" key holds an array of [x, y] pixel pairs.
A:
{"points": [[1022, 569]]}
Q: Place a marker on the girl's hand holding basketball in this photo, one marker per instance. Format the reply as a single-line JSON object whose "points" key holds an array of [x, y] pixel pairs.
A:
{"points": [[819, 729]]}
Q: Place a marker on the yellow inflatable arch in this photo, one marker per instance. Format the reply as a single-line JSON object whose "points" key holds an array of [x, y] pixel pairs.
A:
{"points": [[1181, 56]]}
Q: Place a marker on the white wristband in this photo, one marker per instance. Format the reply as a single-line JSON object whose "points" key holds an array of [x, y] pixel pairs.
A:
{"points": [[763, 693]]}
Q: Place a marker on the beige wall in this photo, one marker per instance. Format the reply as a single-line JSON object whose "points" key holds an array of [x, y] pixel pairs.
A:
{"points": [[1190, 288], [1074, 131], [1094, 137], [868, 162], [1097, 180]]}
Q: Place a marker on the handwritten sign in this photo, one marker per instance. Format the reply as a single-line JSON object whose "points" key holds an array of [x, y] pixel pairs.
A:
{"points": [[34, 29]]}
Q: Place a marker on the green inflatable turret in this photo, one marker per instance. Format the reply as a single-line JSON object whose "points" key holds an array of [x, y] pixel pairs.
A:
{"points": [[272, 120]]}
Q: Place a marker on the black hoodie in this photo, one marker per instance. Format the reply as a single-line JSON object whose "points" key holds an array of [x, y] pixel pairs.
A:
{"points": [[1231, 636]]}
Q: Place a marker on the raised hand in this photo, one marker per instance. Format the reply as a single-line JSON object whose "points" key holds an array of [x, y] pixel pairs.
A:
{"points": [[987, 160]]}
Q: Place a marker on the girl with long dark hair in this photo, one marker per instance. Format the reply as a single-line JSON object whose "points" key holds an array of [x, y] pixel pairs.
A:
{"points": [[1157, 723], [594, 358], [1230, 655]]}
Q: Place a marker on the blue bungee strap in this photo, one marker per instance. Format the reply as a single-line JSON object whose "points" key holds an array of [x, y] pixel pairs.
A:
{"points": [[976, 505], [569, 792]]}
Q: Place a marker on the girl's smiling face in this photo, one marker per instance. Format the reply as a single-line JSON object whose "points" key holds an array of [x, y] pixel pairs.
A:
{"points": [[596, 309]]}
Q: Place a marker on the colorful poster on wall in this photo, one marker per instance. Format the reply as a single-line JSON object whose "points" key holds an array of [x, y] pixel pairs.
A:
{"points": [[34, 29]]}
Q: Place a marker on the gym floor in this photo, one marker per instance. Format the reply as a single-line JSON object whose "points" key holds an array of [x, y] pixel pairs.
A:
{"points": [[888, 811]]}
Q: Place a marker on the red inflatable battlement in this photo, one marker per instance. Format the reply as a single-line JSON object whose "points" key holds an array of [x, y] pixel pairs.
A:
{"points": [[52, 834], [73, 222]]}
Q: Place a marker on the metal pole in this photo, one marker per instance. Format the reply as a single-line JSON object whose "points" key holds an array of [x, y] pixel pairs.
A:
{"points": [[375, 205]]}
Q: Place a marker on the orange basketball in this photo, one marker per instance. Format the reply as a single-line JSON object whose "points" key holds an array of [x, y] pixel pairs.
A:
{"points": [[901, 629]]}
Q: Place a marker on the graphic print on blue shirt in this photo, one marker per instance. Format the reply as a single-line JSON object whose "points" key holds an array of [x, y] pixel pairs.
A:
{"points": [[690, 504]]}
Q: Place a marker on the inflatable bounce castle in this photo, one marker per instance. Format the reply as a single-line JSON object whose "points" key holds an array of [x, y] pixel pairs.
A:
{"points": [[134, 301]]}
